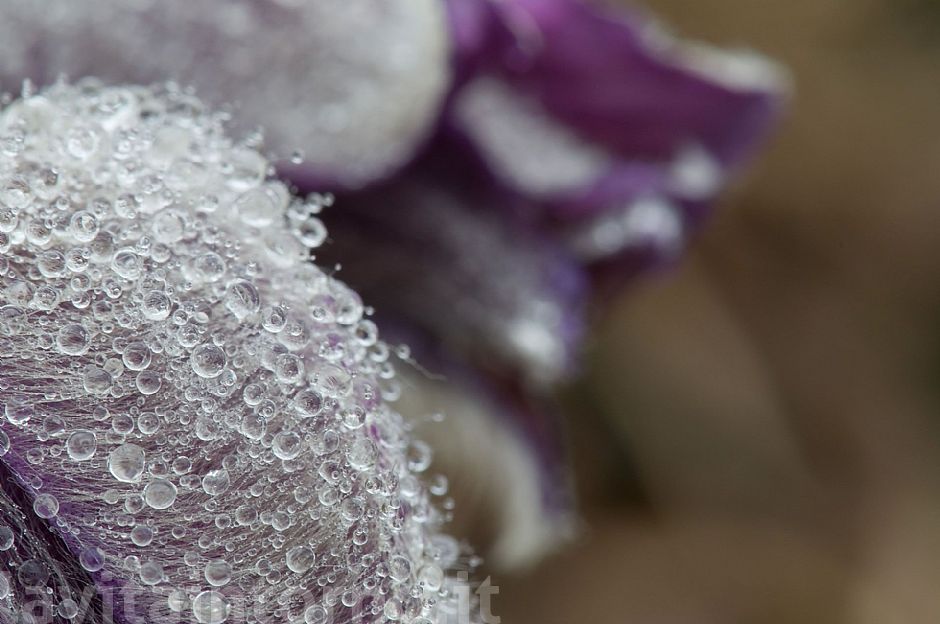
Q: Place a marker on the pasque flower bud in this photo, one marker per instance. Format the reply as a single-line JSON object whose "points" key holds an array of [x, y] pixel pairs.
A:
{"points": [[197, 421], [358, 82]]}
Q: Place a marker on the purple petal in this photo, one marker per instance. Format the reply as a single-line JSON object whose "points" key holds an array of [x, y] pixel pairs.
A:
{"points": [[504, 449], [622, 84], [621, 135], [443, 252]]}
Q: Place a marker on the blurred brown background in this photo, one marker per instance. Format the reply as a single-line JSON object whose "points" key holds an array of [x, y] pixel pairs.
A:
{"points": [[758, 434]]}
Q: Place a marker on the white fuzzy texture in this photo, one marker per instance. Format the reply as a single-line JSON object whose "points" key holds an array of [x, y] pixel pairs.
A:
{"points": [[355, 84], [186, 396]]}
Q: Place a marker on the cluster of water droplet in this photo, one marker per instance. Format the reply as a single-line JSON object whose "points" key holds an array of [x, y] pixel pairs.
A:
{"points": [[356, 104], [196, 410]]}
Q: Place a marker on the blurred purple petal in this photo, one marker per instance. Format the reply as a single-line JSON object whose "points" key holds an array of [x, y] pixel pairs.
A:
{"points": [[574, 143], [602, 120], [504, 453], [445, 252]]}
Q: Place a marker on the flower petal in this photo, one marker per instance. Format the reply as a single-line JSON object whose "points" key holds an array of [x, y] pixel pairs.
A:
{"points": [[444, 253], [507, 462], [599, 116]]}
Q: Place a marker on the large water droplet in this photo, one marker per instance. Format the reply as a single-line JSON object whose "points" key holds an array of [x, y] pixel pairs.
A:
{"points": [[210, 607], [160, 494], [218, 572], [46, 506], [96, 380], [361, 454], [18, 413], [155, 306], [81, 445], [136, 356], [308, 403], [126, 463], [207, 360], [6, 538], [300, 559], [72, 339], [316, 615], [287, 445], [216, 481], [141, 535], [242, 299], [92, 559]]}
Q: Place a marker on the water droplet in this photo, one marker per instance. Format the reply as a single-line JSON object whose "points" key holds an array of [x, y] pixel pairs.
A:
{"points": [[168, 226], [300, 559], [136, 356], [46, 506], [33, 574], [216, 482], [242, 299], [81, 445], [126, 463], [274, 319], [160, 494], [82, 142], [316, 615], [431, 576], [127, 264], [96, 380], [308, 403], [177, 601], [312, 233], [210, 607], [287, 445], [257, 207], [68, 609], [361, 454], [399, 568], [6, 538], [142, 535], [288, 368], [72, 339], [148, 382], [218, 572], [92, 559], [18, 413], [151, 573], [208, 267], [155, 306], [83, 226], [207, 360]]}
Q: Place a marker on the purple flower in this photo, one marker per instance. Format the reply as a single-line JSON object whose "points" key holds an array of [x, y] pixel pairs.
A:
{"points": [[576, 144], [571, 139], [198, 423], [618, 135], [481, 199]]}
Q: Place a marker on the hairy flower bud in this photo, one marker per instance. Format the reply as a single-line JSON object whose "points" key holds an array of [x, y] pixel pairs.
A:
{"points": [[358, 83], [196, 419]]}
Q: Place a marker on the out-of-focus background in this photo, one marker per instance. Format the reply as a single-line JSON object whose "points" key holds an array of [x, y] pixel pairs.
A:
{"points": [[757, 434]]}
